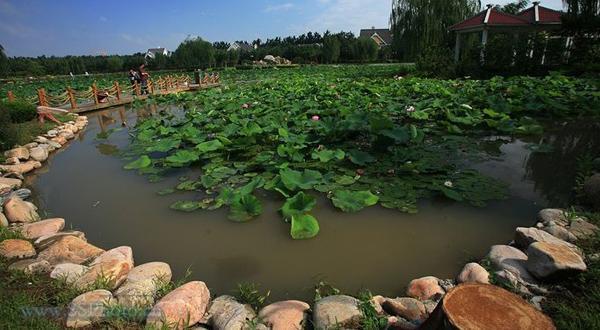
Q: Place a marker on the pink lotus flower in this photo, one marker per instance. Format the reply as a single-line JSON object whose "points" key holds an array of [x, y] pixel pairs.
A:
{"points": [[315, 118]]}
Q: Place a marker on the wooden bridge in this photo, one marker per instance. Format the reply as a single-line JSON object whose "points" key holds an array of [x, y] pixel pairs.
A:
{"points": [[97, 98]]}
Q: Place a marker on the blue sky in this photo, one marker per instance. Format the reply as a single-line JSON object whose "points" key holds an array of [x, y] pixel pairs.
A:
{"points": [[76, 27]]}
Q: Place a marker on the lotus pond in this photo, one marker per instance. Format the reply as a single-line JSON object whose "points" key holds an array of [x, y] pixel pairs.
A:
{"points": [[342, 174]]}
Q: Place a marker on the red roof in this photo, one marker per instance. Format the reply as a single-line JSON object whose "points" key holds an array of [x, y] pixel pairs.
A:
{"points": [[497, 18]]}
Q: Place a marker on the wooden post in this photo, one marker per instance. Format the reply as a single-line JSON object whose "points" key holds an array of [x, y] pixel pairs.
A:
{"points": [[151, 86], [72, 98], [118, 90], [137, 88], [42, 97], [11, 96], [95, 92]]}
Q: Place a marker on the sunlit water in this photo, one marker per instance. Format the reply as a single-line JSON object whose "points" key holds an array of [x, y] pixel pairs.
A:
{"points": [[378, 249]]}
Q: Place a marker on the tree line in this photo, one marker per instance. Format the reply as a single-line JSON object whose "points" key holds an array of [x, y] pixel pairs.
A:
{"points": [[311, 47]]}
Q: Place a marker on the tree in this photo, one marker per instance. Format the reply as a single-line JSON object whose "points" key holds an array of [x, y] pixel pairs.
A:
{"points": [[331, 49], [418, 24], [582, 22], [514, 7], [3, 62], [194, 53], [114, 64], [365, 49]]}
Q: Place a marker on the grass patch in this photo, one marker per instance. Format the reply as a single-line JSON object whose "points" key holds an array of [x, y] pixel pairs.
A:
{"points": [[577, 306], [249, 293]]}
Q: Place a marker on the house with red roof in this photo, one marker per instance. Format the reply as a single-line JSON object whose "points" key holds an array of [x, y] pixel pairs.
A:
{"points": [[534, 19]]}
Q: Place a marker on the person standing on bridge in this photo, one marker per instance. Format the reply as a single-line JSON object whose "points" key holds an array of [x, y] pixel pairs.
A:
{"points": [[144, 76]]}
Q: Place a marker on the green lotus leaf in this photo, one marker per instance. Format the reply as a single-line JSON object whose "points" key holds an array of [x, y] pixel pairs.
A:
{"points": [[399, 134], [164, 145], [182, 157], [188, 185], [452, 194], [256, 183], [353, 201], [301, 203], [185, 206], [294, 180], [244, 208], [360, 158], [142, 162], [304, 226], [327, 155], [209, 146]]}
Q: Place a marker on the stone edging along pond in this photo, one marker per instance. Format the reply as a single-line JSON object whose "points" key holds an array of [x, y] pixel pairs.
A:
{"points": [[536, 254]]}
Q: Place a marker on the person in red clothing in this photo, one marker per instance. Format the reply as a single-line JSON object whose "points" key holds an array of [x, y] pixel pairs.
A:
{"points": [[143, 78]]}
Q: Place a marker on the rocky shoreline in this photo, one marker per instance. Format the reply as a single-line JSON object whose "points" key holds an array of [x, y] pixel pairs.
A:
{"points": [[535, 257]]}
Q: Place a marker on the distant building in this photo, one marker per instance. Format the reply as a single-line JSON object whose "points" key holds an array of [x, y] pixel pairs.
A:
{"points": [[151, 53], [383, 37], [240, 46]]}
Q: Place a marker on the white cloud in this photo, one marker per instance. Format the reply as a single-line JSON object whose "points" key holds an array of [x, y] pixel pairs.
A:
{"points": [[281, 7], [350, 15]]}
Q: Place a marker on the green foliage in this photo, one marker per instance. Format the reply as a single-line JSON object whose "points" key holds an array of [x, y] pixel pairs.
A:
{"points": [[331, 49], [194, 53], [353, 201], [436, 62], [142, 162], [370, 319], [249, 293], [304, 226], [324, 289], [19, 111], [244, 208]]}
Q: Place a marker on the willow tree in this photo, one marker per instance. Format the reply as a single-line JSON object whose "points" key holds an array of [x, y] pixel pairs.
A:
{"points": [[419, 24], [582, 22], [3, 62]]}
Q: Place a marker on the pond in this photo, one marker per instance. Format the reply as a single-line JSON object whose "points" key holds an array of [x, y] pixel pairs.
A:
{"points": [[377, 248]]}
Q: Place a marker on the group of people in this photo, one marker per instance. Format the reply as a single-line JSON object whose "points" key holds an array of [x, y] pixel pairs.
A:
{"points": [[140, 76]]}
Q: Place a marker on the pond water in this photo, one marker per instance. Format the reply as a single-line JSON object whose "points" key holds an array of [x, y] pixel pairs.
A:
{"points": [[378, 249]]}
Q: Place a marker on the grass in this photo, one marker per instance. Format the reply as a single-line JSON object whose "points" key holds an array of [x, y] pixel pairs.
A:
{"points": [[249, 293], [26, 132], [577, 305]]}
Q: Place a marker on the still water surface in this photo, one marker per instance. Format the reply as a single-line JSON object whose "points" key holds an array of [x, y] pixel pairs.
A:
{"points": [[378, 249]]}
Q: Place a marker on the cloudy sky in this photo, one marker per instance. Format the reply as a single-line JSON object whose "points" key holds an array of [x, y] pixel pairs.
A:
{"points": [[63, 27]]}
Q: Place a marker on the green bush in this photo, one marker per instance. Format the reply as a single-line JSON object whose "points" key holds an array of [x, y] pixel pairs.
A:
{"points": [[436, 62], [19, 111]]}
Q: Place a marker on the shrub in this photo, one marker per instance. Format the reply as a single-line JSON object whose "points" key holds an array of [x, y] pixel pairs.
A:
{"points": [[19, 111], [436, 62]]}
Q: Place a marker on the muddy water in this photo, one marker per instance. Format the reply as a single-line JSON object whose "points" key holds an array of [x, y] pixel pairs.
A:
{"points": [[377, 249]]}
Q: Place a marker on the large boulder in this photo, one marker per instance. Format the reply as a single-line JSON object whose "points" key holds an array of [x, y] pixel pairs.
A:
{"points": [[39, 154], [582, 229], [142, 283], [3, 220], [182, 307], [408, 308], [553, 260], [337, 311], [88, 308], [553, 216], [45, 241], [13, 183], [18, 210], [31, 266], [68, 272], [21, 153], [69, 249], [42, 228], [21, 168], [16, 248], [560, 232], [285, 315], [111, 266], [591, 190], [473, 273], [508, 258], [226, 313], [425, 288], [526, 236]]}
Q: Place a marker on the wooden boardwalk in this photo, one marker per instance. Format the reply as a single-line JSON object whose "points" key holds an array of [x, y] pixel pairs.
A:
{"points": [[127, 99]]}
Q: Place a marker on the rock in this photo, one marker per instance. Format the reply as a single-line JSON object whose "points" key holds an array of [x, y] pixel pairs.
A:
{"points": [[68, 272], [425, 288], [269, 59], [88, 308], [285, 315], [13, 183], [553, 216], [38, 153], [16, 248], [31, 266], [45, 241], [142, 283], [48, 147], [593, 257], [113, 266], [52, 133], [447, 284], [20, 153], [181, 308], [54, 144], [226, 313], [30, 146], [430, 305], [473, 273], [504, 257], [12, 161], [536, 301], [66, 134], [21, 168], [408, 308], [60, 140], [377, 302], [69, 249], [525, 236], [398, 323], [553, 260], [582, 229], [17, 210], [3, 220], [560, 232], [591, 190], [539, 225], [336, 311], [42, 228], [41, 139]]}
